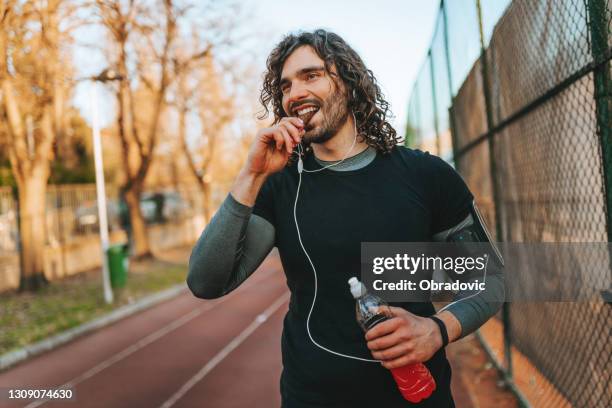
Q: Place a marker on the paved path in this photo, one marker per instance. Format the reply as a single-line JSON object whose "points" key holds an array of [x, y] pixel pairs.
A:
{"points": [[150, 359], [184, 352]]}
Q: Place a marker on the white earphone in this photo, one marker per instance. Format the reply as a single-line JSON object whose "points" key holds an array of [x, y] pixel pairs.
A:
{"points": [[300, 167]]}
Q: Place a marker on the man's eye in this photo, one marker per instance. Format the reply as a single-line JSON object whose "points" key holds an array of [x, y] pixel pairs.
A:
{"points": [[311, 76], [285, 88]]}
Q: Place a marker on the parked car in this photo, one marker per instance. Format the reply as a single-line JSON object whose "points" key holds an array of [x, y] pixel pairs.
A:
{"points": [[163, 207], [155, 208], [86, 217]]}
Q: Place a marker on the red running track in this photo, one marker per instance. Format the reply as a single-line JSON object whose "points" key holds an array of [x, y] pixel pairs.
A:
{"points": [[185, 352]]}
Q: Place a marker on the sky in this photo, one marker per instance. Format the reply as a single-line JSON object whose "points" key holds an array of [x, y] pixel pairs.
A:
{"points": [[392, 37]]}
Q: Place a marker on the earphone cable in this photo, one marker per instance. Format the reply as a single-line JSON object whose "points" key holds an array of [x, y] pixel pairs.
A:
{"points": [[314, 270]]}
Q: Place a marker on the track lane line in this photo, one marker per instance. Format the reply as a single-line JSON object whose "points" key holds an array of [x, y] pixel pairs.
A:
{"points": [[156, 335], [231, 346]]}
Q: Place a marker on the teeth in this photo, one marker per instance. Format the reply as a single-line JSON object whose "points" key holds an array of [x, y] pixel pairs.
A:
{"points": [[307, 110], [307, 114]]}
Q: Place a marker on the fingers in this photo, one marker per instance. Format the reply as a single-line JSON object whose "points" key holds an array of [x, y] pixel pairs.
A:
{"points": [[394, 352], [287, 133], [293, 127], [273, 137], [287, 140], [385, 342], [297, 122], [279, 139], [383, 328]]}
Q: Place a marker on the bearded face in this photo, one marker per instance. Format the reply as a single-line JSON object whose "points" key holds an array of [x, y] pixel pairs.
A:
{"points": [[314, 94], [323, 118]]}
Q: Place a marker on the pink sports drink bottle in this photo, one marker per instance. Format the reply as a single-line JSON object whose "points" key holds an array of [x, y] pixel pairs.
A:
{"points": [[414, 380]]}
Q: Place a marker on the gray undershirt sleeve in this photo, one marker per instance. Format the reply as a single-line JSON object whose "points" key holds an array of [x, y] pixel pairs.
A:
{"points": [[230, 249], [473, 309]]}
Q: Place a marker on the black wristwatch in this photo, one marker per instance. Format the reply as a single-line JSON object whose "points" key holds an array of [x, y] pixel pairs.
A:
{"points": [[443, 331]]}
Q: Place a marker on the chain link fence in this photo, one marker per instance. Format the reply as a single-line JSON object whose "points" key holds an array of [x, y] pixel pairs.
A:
{"points": [[519, 96]]}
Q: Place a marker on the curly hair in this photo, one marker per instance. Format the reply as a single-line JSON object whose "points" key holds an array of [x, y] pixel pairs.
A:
{"points": [[365, 98]]}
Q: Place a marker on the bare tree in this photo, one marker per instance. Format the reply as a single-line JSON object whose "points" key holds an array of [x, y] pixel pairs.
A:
{"points": [[33, 93], [200, 90], [146, 39]]}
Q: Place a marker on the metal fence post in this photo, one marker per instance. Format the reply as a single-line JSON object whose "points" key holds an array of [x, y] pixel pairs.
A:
{"points": [[451, 109], [596, 20], [60, 228], [15, 192], [418, 134], [494, 182], [412, 127], [435, 102]]}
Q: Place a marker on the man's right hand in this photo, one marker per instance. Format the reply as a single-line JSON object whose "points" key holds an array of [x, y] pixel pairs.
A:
{"points": [[269, 153], [273, 146]]}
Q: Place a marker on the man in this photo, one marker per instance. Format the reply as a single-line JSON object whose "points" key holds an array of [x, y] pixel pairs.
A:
{"points": [[357, 186]]}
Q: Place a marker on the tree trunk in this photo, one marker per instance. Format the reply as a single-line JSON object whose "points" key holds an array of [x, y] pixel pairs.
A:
{"points": [[203, 182], [32, 229], [205, 186], [140, 237]]}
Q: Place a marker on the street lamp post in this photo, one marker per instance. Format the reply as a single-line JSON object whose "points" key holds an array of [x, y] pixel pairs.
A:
{"points": [[105, 76]]}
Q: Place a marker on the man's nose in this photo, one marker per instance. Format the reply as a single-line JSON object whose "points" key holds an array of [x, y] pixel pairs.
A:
{"points": [[297, 93]]}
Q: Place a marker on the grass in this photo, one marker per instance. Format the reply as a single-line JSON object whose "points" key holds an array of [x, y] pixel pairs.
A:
{"points": [[26, 318]]}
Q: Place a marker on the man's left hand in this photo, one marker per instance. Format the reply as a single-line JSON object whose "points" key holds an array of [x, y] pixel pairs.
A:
{"points": [[404, 339]]}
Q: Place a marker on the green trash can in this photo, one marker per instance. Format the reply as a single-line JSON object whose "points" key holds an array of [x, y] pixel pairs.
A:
{"points": [[118, 261]]}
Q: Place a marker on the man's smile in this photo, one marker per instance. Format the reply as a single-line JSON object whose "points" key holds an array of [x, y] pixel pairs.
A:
{"points": [[306, 112]]}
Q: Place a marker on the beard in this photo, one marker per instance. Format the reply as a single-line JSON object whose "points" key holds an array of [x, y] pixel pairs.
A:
{"points": [[334, 114]]}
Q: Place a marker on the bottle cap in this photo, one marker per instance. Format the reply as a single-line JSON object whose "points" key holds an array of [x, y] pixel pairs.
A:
{"points": [[357, 288]]}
